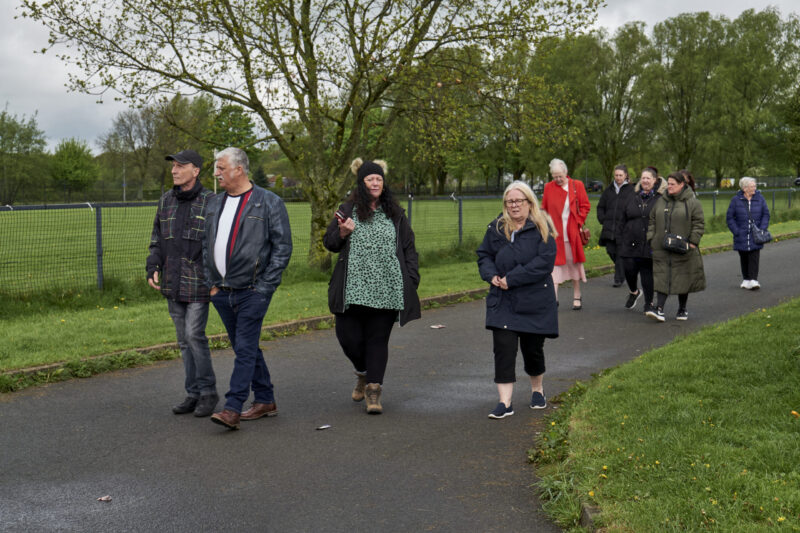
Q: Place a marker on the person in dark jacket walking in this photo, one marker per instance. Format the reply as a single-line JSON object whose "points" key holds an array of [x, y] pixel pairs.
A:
{"points": [[747, 209], [174, 267], [609, 211], [516, 258], [632, 245], [375, 280], [247, 247], [678, 212]]}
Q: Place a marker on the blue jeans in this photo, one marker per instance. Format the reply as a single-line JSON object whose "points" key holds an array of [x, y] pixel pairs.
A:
{"points": [[242, 312], [190, 325]]}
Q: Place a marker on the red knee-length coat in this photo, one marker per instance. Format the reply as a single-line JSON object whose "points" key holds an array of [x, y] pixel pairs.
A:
{"points": [[553, 200]]}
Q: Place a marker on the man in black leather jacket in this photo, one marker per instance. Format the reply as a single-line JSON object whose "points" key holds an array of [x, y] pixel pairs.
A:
{"points": [[247, 246]]}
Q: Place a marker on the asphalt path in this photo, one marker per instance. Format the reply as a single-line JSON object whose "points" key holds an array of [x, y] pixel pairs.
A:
{"points": [[432, 462]]}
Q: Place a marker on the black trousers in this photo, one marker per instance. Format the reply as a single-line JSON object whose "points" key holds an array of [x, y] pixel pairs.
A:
{"points": [[662, 299], [363, 334], [505, 354], [639, 267], [611, 250], [749, 263]]}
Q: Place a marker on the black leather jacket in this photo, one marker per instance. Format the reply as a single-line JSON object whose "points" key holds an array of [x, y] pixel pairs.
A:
{"points": [[263, 245]]}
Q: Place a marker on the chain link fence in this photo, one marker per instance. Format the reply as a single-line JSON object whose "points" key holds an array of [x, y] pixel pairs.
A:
{"points": [[76, 246]]}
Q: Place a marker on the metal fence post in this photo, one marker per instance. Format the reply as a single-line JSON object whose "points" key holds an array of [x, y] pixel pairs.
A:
{"points": [[773, 201], [99, 232], [714, 203], [460, 221], [410, 203]]}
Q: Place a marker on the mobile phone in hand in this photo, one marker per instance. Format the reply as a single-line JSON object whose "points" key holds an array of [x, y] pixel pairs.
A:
{"points": [[340, 216]]}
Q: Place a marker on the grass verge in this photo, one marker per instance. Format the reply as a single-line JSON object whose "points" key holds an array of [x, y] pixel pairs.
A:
{"points": [[699, 434], [66, 327]]}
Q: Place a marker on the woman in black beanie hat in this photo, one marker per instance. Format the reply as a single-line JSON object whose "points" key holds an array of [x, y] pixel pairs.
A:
{"points": [[375, 280]]}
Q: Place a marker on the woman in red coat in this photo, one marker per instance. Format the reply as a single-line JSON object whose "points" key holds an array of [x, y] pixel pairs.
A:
{"points": [[566, 202]]}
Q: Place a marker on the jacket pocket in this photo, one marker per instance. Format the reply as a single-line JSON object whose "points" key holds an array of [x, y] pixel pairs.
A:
{"points": [[493, 298], [529, 300]]}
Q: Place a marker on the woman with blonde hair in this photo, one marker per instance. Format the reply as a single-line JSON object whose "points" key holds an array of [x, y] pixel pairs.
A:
{"points": [[516, 258], [374, 283]]}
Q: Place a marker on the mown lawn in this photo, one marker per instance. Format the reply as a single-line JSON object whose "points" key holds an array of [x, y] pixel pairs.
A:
{"points": [[698, 435]]}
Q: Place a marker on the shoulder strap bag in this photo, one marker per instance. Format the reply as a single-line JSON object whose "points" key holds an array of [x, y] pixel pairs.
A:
{"points": [[760, 236], [677, 244], [583, 231]]}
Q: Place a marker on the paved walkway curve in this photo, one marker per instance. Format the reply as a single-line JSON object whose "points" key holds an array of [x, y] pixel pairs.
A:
{"points": [[432, 462]]}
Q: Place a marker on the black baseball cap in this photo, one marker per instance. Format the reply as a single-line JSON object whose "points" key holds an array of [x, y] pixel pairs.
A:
{"points": [[186, 156]]}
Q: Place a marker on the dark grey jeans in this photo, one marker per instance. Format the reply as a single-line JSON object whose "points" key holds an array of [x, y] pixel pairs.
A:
{"points": [[190, 325]]}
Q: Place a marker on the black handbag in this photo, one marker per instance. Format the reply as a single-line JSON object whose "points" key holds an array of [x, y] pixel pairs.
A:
{"points": [[760, 236], [677, 244]]}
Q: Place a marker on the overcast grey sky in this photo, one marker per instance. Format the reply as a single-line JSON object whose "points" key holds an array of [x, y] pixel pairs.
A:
{"points": [[33, 83]]}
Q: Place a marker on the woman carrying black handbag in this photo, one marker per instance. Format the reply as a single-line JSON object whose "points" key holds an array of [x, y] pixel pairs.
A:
{"points": [[678, 214], [748, 219]]}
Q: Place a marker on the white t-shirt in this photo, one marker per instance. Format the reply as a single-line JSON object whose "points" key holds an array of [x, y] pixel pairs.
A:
{"points": [[227, 219]]}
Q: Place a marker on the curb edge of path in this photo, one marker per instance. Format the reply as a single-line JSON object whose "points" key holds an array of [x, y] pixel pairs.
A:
{"points": [[314, 323]]}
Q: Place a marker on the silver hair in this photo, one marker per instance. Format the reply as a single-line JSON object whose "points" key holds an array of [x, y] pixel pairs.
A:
{"points": [[236, 157], [558, 163], [744, 182]]}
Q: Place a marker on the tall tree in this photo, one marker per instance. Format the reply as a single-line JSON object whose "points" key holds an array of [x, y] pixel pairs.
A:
{"points": [[326, 64], [760, 68], [21, 153], [682, 82]]}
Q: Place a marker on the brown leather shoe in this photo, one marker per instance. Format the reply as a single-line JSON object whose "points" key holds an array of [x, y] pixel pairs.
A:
{"points": [[358, 391], [227, 418], [257, 410], [373, 395]]}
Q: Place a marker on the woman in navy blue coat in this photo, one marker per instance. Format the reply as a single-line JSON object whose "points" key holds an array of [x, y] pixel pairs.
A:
{"points": [[747, 207], [516, 258]]}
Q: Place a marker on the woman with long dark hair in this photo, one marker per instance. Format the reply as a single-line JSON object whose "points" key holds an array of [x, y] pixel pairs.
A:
{"points": [[375, 280], [678, 212]]}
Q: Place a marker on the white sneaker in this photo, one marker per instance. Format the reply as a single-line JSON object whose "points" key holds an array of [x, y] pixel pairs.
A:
{"points": [[754, 284], [745, 284]]}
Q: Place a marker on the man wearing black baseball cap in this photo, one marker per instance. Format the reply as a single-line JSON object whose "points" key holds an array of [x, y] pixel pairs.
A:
{"points": [[175, 267]]}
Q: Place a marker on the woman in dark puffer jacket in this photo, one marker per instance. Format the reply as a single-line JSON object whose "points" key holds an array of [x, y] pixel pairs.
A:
{"points": [[631, 238], [747, 208]]}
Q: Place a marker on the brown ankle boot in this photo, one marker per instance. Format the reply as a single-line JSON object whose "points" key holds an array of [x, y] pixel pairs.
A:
{"points": [[358, 391], [373, 395]]}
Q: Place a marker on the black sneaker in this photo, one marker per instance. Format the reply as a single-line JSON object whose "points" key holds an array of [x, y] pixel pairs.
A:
{"points": [[683, 314], [656, 313], [206, 405], [633, 299], [538, 401], [501, 411], [187, 406]]}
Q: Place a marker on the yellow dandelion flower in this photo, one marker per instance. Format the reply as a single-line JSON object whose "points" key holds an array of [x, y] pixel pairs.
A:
{"points": [[605, 467], [591, 494], [658, 462], [795, 414], [63, 321], [781, 518]]}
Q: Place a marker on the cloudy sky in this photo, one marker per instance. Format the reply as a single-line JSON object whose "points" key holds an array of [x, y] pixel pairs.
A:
{"points": [[33, 83]]}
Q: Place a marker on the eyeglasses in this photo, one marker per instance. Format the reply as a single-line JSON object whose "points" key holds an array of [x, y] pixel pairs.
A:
{"points": [[511, 203]]}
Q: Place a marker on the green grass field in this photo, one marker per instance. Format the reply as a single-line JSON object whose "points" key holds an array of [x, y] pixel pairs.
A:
{"points": [[699, 435], [56, 249]]}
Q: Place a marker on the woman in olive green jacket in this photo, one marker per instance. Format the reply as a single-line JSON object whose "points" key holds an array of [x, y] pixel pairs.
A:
{"points": [[680, 212]]}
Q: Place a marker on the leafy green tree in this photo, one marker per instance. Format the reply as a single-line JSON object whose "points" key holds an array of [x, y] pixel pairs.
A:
{"points": [[72, 167], [682, 85], [21, 153], [759, 71], [325, 64]]}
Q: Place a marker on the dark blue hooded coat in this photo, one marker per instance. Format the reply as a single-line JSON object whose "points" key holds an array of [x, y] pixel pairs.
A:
{"points": [[529, 304], [739, 222]]}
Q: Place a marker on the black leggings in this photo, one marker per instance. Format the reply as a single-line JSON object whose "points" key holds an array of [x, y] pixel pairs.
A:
{"points": [[505, 354], [749, 263], [363, 333], [662, 299], [643, 267]]}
